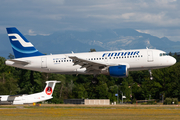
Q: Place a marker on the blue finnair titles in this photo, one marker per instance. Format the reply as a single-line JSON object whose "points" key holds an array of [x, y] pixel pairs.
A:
{"points": [[120, 54], [20, 45]]}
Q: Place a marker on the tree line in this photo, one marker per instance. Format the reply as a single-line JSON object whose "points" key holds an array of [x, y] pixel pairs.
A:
{"points": [[137, 86]]}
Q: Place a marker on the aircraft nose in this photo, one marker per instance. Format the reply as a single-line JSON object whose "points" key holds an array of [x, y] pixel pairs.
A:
{"points": [[173, 60]]}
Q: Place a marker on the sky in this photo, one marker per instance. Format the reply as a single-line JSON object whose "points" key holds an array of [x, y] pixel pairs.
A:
{"points": [[160, 18]]}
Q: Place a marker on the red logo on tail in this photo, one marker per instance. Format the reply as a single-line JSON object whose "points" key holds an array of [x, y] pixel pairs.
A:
{"points": [[48, 90]]}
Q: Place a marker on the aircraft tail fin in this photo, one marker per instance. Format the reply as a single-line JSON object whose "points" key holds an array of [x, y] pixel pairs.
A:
{"points": [[48, 90], [20, 45]]}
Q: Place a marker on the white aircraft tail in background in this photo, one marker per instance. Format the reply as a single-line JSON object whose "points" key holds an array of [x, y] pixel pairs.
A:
{"points": [[32, 98]]}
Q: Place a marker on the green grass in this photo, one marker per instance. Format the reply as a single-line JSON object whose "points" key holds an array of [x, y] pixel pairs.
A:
{"points": [[74, 112]]}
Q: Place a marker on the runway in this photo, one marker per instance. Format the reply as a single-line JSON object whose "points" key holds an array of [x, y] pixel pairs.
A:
{"points": [[72, 112]]}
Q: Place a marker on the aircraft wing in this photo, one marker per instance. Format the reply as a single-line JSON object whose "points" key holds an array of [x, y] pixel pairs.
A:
{"points": [[89, 65], [20, 62], [16, 95]]}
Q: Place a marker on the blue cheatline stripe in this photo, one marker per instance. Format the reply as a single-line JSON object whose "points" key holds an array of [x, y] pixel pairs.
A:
{"points": [[23, 51]]}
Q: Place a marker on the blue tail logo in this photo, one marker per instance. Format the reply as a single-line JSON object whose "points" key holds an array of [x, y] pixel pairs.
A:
{"points": [[18, 38], [20, 45]]}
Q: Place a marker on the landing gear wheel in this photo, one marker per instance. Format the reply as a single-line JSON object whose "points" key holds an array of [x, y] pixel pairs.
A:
{"points": [[94, 81], [151, 77]]}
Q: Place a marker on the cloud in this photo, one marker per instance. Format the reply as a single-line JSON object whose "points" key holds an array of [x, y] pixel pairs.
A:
{"points": [[31, 32], [48, 16], [127, 15], [165, 1], [155, 32], [172, 34]]}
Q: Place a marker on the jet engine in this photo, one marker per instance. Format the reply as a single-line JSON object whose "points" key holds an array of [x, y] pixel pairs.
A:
{"points": [[118, 71]]}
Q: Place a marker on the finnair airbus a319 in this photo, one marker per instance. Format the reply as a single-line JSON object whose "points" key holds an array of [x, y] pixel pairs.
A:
{"points": [[113, 63]]}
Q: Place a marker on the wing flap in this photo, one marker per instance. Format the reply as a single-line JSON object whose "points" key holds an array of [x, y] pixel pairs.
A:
{"points": [[89, 65]]}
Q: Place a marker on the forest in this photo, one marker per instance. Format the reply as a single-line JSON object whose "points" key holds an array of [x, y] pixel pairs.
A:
{"points": [[137, 86]]}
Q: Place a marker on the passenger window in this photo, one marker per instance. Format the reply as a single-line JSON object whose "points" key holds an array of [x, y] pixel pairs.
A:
{"points": [[91, 58], [99, 58], [61, 60], [102, 58], [64, 60], [109, 57]]}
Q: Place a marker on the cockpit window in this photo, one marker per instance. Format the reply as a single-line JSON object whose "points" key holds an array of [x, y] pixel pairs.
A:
{"points": [[164, 54]]}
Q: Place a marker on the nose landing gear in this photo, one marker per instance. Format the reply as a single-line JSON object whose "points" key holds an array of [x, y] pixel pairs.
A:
{"points": [[151, 77]]}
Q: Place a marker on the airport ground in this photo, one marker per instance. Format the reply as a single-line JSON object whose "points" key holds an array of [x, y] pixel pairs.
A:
{"points": [[74, 112]]}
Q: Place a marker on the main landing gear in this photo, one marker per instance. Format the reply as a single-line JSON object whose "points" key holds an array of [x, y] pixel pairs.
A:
{"points": [[95, 80], [151, 77]]}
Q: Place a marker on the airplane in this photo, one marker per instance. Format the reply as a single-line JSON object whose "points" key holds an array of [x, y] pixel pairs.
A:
{"points": [[32, 98], [114, 63]]}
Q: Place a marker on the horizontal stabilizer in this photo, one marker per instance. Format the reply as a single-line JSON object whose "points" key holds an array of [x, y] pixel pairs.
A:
{"points": [[18, 62]]}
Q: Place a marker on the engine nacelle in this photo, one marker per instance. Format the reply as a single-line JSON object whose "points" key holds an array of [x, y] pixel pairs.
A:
{"points": [[118, 71]]}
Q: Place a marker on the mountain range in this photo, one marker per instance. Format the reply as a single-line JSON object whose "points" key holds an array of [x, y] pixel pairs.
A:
{"points": [[83, 41]]}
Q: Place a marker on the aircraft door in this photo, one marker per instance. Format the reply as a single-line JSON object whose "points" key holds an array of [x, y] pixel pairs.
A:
{"points": [[44, 62], [150, 56]]}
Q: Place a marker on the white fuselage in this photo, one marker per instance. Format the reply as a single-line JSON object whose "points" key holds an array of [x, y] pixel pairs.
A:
{"points": [[139, 59], [32, 98], [24, 99]]}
